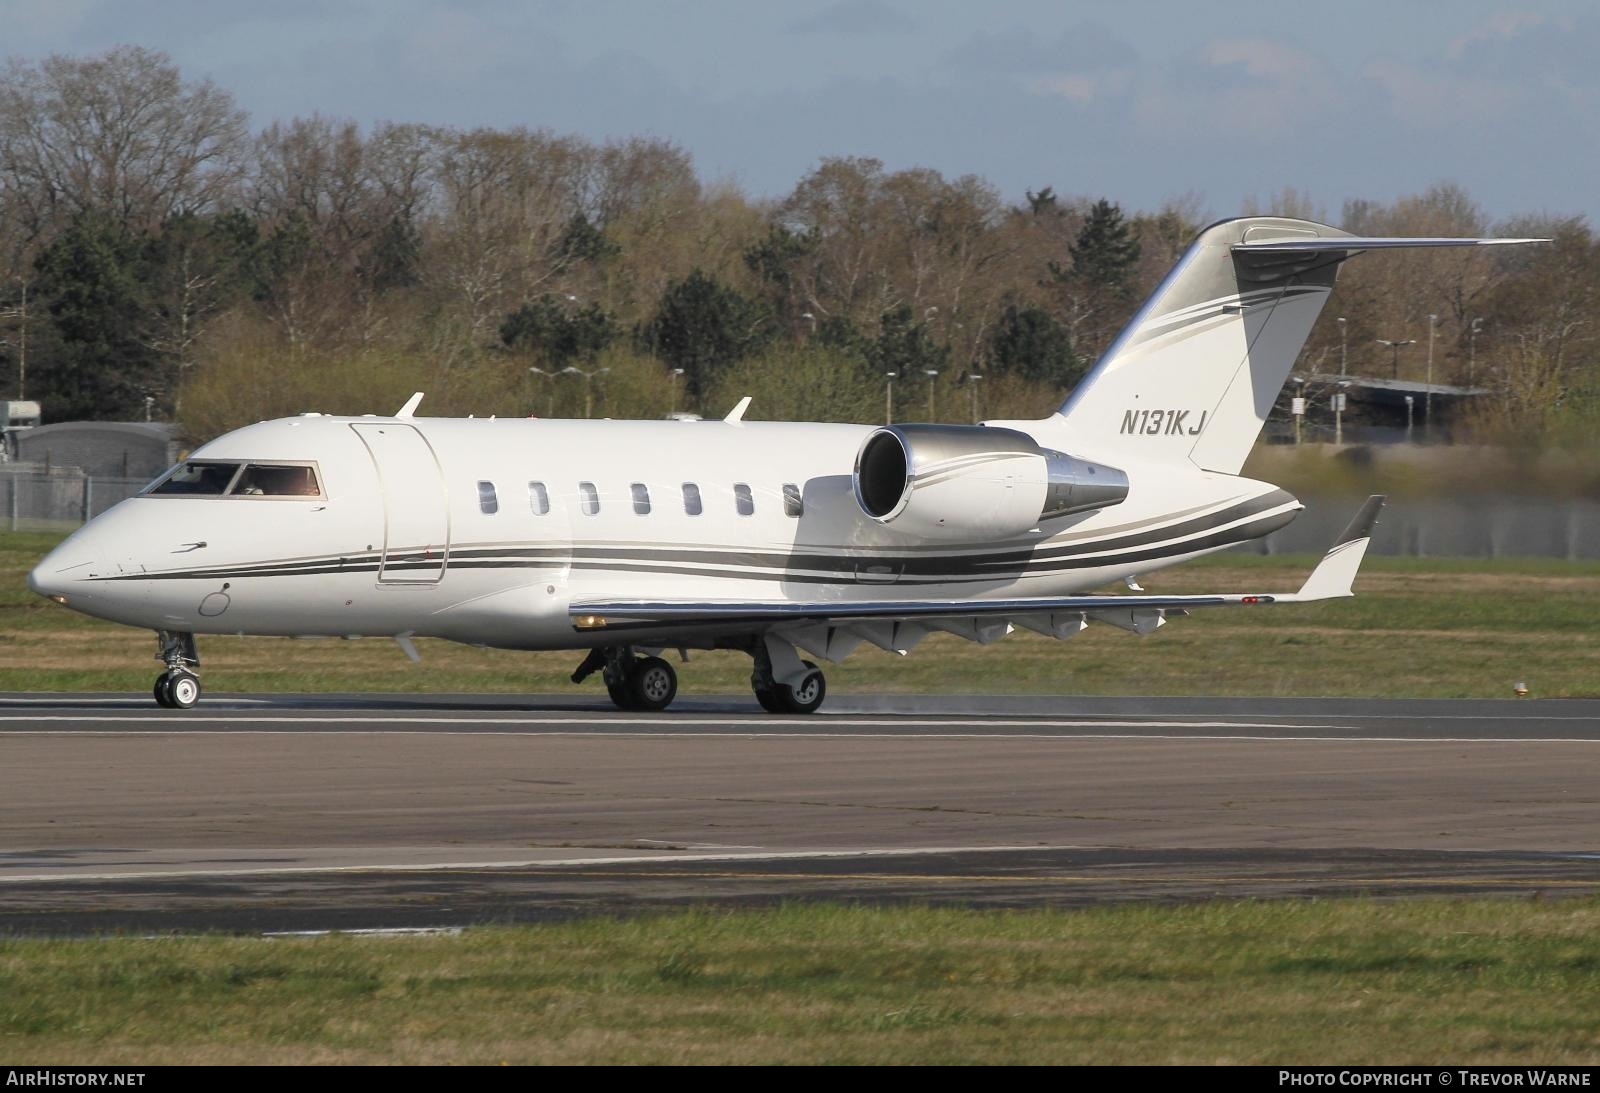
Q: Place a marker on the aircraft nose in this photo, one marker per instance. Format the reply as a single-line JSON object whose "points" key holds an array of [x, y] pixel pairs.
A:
{"points": [[57, 572]]}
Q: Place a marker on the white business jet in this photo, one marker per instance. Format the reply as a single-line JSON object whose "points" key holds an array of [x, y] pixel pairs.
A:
{"points": [[627, 538]]}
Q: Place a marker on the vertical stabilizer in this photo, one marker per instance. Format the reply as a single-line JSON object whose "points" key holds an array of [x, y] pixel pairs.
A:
{"points": [[1195, 374], [1193, 377]]}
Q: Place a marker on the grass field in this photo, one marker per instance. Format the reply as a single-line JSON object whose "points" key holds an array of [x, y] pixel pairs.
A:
{"points": [[1319, 982], [1417, 627]]}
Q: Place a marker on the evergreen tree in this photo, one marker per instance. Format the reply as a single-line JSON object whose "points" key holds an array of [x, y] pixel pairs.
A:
{"points": [[559, 334], [701, 326], [102, 366], [581, 241], [1028, 342], [1106, 251], [904, 345]]}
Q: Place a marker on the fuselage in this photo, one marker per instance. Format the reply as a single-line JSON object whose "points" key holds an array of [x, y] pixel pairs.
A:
{"points": [[485, 531]]}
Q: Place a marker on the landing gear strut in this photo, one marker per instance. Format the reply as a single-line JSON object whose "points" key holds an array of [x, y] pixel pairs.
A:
{"points": [[782, 682], [647, 684], [178, 688]]}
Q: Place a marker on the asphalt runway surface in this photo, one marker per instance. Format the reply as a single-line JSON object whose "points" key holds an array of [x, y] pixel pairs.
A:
{"points": [[263, 813]]}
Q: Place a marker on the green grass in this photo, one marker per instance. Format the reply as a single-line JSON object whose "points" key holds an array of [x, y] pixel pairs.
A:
{"points": [[1417, 627], [1427, 981]]}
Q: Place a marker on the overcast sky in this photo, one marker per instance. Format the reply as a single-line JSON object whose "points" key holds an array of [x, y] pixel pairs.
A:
{"points": [[1139, 100]]}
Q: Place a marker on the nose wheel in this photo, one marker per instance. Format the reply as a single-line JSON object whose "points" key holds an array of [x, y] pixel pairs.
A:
{"points": [[178, 689]]}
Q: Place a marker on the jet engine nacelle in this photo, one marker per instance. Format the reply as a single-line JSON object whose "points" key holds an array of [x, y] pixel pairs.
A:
{"points": [[973, 483]]}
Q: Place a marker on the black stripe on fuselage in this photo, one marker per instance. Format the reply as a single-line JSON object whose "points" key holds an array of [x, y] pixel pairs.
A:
{"points": [[803, 567]]}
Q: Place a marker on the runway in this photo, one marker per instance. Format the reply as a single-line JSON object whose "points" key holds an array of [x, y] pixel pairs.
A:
{"points": [[281, 813]]}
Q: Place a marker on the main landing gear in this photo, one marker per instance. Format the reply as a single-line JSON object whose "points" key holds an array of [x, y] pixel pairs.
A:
{"points": [[646, 684], [178, 688], [799, 689], [781, 681]]}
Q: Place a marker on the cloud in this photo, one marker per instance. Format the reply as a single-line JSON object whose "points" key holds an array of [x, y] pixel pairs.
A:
{"points": [[1257, 87], [1086, 47], [1084, 64], [855, 17]]}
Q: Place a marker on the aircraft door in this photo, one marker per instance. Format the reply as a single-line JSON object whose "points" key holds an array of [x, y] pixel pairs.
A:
{"points": [[416, 516]]}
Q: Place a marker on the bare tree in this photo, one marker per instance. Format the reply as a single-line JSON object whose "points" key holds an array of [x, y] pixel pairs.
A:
{"points": [[121, 133]]}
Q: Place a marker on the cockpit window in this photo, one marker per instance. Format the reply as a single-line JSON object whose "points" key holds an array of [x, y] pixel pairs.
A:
{"points": [[197, 479], [276, 480], [205, 478]]}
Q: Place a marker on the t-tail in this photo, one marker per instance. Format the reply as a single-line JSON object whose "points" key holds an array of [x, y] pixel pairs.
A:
{"points": [[1195, 374]]}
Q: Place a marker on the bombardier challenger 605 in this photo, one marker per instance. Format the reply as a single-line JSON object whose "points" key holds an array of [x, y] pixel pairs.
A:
{"points": [[622, 539]]}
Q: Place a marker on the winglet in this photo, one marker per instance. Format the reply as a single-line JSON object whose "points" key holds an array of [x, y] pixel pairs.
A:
{"points": [[411, 406], [1337, 571], [736, 414]]}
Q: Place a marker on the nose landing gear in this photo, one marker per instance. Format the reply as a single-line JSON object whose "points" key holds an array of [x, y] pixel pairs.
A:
{"points": [[178, 688]]}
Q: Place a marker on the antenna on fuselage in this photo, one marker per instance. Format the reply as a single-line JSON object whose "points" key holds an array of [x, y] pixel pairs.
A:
{"points": [[411, 406], [736, 414]]}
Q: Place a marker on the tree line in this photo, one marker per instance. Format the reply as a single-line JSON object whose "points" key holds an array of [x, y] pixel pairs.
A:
{"points": [[159, 255]]}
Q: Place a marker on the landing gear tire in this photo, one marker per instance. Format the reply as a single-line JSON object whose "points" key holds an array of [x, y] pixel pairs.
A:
{"points": [[652, 684], [620, 695], [768, 699], [805, 696], [177, 690]]}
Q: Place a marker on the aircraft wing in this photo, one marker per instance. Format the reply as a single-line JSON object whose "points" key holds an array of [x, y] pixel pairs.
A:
{"points": [[896, 624]]}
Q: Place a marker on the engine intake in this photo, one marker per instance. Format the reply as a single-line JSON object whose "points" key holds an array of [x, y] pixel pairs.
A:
{"points": [[973, 483]]}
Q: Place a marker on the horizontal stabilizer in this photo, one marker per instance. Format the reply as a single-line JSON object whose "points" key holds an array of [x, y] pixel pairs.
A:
{"points": [[1379, 242]]}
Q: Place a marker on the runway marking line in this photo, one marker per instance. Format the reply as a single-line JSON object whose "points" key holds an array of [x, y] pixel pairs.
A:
{"points": [[547, 863], [659, 723], [1064, 737], [1125, 877], [569, 866]]}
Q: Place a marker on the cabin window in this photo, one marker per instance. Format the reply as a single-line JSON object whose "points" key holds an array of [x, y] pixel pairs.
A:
{"points": [[488, 502], [538, 498], [792, 504], [691, 499], [197, 479], [743, 499], [276, 480], [588, 498], [641, 498]]}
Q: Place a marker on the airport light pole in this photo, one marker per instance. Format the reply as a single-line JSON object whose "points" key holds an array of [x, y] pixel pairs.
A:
{"points": [[933, 378], [672, 382], [1344, 347], [1427, 396], [1338, 415], [1472, 349], [1297, 406], [888, 398], [550, 406], [1396, 346], [588, 387], [973, 379]]}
